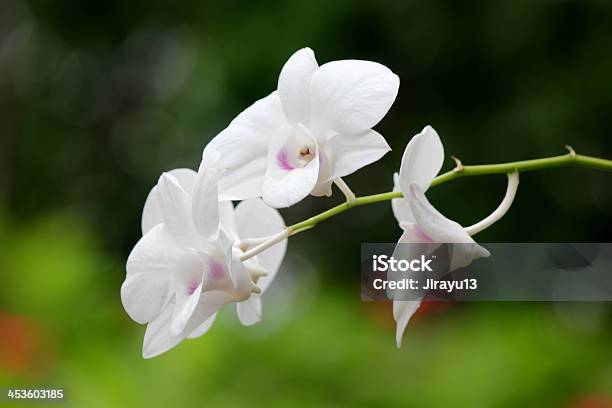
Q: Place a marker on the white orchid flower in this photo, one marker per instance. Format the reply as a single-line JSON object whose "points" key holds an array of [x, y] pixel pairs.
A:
{"points": [[185, 268], [313, 130], [422, 223]]}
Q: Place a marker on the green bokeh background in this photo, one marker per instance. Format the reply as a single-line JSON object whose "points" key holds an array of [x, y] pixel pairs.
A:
{"points": [[98, 98]]}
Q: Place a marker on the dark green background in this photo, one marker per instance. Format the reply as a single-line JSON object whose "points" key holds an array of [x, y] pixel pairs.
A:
{"points": [[98, 98]]}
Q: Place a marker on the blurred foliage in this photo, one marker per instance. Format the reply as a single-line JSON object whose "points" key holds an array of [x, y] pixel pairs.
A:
{"points": [[98, 98]]}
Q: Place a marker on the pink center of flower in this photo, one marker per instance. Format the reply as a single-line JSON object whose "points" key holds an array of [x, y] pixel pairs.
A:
{"points": [[283, 160], [217, 270], [192, 287]]}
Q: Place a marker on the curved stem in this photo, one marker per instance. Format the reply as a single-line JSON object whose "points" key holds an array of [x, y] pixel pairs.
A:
{"points": [[501, 210]]}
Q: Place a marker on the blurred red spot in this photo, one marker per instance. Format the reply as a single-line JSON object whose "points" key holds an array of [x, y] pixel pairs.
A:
{"points": [[21, 348], [592, 401], [382, 312], [430, 307]]}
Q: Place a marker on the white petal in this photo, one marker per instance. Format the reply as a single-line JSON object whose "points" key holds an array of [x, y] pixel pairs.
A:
{"points": [[401, 208], [438, 228], [150, 270], [157, 338], [151, 214], [228, 220], [435, 225], [402, 312], [205, 207], [249, 311], [255, 219], [351, 96], [188, 284], [210, 303], [294, 85], [203, 328], [411, 235], [350, 153], [243, 146], [175, 204], [422, 160]]}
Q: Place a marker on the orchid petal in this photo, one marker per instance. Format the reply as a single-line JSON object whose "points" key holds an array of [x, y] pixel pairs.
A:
{"points": [[188, 287], [157, 339], [158, 336], [151, 213], [228, 220], [175, 204], [400, 206], [294, 85], [203, 328], [422, 160], [249, 311], [217, 274], [243, 147], [217, 267], [421, 244], [403, 310], [255, 219], [286, 182], [226, 272], [150, 269], [351, 96], [205, 206], [350, 153], [435, 225], [438, 228], [413, 234], [210, 303]]}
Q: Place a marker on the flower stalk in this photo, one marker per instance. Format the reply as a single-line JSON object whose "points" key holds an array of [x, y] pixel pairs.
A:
{"points": [[346, 190], [501, 210], [281, 236], [569, 159]]}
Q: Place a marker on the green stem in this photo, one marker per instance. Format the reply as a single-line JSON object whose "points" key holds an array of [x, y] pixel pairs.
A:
{"points": [[463, 171]]}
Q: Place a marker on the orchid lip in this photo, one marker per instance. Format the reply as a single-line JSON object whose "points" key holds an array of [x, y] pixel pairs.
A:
{"points": [[217, 271], [305, 155], [283, 160], [193, 286]]}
